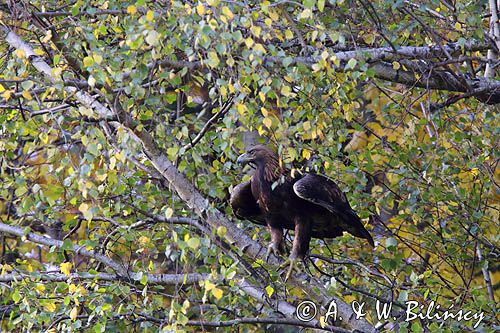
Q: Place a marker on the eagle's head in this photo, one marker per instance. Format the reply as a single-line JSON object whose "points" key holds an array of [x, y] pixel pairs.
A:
{"points": [[257, 156]]}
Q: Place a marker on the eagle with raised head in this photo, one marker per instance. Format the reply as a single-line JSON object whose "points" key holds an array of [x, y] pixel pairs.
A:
{"points": [[310, 204]]}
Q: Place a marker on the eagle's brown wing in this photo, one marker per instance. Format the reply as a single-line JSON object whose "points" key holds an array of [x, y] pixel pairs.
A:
{"points": [[244, 204], [325, 193]]}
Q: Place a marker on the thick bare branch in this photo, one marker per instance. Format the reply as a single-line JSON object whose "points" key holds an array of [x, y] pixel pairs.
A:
{"points": [[161, 279], [15, 41], [39, 239]]}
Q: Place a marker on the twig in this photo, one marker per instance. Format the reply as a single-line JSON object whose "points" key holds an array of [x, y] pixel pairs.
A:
{"points": [[141, 317], [353, 262], [223, 110]]}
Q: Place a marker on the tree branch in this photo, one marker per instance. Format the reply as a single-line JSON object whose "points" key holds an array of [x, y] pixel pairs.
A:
{"points": [[495, 33], [141, 317], [154, 279], [39, 239]]}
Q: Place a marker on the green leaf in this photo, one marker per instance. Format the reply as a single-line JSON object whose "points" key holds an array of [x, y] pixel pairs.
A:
{"points": [[321, 5], [351, 63], [193, 243], [153, 38], [213, 59], [67, 245], [88, 61], [391, 242], [309, 3], [16, 296]]}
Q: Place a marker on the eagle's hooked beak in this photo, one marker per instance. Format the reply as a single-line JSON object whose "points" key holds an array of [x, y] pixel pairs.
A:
{"points": [[244, 159]]}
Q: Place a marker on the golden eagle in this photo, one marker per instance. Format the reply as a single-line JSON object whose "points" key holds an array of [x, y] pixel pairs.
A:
{"points": [[310, 204]]}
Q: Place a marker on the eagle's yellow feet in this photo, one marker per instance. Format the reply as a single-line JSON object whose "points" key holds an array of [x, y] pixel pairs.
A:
{"points": [[275, 248], [291, 263]]}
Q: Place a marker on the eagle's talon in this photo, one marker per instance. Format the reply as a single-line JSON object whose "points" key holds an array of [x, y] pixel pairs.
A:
{"points": [[291, 263], [273, 248]]}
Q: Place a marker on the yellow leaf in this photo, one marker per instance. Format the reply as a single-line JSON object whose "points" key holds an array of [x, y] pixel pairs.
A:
{"points": [[131, 10], [20, 53], [150, 15], [396, 65], [256, 30], [2, 88], [248, 42], [221, 231], [26, 94], [217, 293], [121, 156], [84, 207], [285, 90], [50, 307], [97, 58], [5, 268], [306, 13], [267, 122], [306, 154], [392, 137], [241, 108], [270, 291], [74, 313], [72, 288], [358, 141], [7, 94], [40, 288], [143, 240], [274, 15], [88, 61], [102, 177], [200, 9], [169, 212], [262, 96], [259, 47], [48, 36], [376, 128], [474, 171], [209, 285], [322, 321], [39, 51], [66, 268], [193, 243], [226, 11], [44, 137], [307, 125]]}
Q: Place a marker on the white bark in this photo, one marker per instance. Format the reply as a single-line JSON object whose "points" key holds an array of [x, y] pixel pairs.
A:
{"points": [[495, 33]]}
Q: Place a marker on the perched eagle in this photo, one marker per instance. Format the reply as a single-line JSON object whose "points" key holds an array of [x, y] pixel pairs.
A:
{"points": [[312, 205]]}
